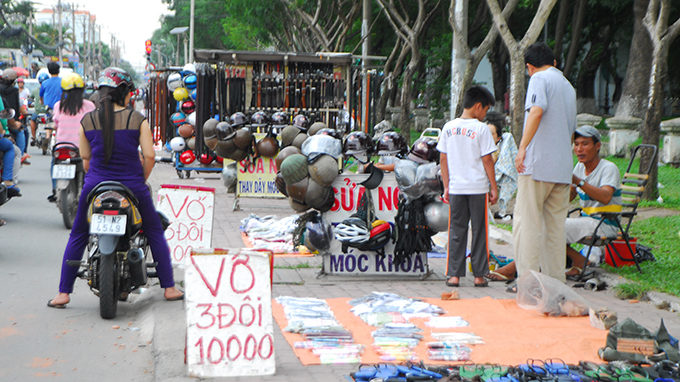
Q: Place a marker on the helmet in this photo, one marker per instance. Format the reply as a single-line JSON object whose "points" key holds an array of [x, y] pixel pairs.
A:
{"points": [[279, 119], [424, 150], [243, 139], [259, 119], [187, 157], [189, 68], [42, 77], [301, 122], [358, 142], [299, 140], [180, 94], [294, 168], [177, 144], [114, 77], [211, 142], [352, 230], [324, 170], [219, 159], [280, 184], [285, 153], [178, 119], [224, 131], [267, 147], [229, 175], [316, 126], [238, 119], [186, 130], [437, 216], [238, 155], [192, 94], [319, 233], [318, 145], [206, 158], [427, 176], [174, 81], [190, 81], [72, 81], [381, 128], [298, 207], [405, 174], [298, 191], [316, 195], [288, 134], [210, 128], [225, 149], [379, 236], [191, 119], [332, 132], [188, 107], [391, 143], [9, 75], [191, 143]]}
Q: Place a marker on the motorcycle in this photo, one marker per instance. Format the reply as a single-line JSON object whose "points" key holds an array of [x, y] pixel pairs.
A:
{"points": [[118, 251], [45, 126], [69, 173], [5, 193]]}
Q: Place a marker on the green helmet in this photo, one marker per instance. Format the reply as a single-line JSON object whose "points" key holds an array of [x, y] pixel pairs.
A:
{"points": [[294, 168], [299, 140], [316, 195], [285, 153], [316, 126], [324, 170], [288, 134]]}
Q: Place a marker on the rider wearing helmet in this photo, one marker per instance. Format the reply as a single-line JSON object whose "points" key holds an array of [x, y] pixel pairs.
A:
{"points": [[12, 100], [38, 106], [110, 137], [68, 112]]}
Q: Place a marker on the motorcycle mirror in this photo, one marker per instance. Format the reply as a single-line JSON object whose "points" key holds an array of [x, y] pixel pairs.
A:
{"points": [[7, 113]]}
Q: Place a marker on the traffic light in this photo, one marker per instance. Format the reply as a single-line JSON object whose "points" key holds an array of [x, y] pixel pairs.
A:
{"points": [[148, 47]]}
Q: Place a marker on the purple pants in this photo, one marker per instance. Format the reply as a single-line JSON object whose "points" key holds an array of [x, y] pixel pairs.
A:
{"points": [[151, 225]]}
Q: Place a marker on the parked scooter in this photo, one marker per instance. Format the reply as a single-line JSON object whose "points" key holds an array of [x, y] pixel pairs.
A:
{"points": [[118, 252], [69, 173], [45, 132]]}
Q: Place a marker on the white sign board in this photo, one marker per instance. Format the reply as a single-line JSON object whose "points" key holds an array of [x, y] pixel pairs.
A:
{"points": [[190, 209], [348, 193], [229, 313]]}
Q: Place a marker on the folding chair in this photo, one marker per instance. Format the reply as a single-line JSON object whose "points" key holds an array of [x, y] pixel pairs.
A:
{"points": [[632, 186]]}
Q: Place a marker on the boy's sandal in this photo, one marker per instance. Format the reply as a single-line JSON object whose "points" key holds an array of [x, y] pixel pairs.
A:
{"points": [[495, 276]]}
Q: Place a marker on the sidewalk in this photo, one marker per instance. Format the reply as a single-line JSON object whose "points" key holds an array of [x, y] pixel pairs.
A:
{"points": [[170, 325]]}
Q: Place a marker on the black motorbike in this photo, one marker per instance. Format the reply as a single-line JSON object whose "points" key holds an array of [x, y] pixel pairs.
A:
{"points": [[5, 193], [118, 252], [69, 173]]}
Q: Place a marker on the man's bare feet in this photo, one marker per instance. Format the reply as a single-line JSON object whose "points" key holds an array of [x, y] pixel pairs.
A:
{"points": [[60, 301], [453, 281], [173, 294]]}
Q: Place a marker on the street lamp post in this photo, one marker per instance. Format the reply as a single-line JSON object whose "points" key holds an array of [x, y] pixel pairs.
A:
{"points": [[178, 31]]}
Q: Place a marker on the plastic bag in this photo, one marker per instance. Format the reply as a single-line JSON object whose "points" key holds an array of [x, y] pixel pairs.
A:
{"points": [[536, 291]]}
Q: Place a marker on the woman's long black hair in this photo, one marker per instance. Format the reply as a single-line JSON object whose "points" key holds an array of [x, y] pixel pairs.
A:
{"points": [[71, 101], [108, 97]]}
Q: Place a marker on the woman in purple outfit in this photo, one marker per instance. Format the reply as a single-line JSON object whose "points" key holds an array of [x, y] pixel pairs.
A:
{"points": [[109, 138]]}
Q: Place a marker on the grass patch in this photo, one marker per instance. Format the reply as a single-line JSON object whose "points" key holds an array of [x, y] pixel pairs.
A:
{"points": [[662, 236], [630, 291], [304, 265]]}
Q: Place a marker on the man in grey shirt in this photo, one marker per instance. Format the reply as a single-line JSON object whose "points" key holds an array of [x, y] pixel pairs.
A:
{"points": [[544, 163]]}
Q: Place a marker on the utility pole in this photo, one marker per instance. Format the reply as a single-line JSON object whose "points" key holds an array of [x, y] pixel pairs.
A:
{"points": [[99, 63], [191, 32], [86, 49], [61, 37], [365, 47], [73, 23]]}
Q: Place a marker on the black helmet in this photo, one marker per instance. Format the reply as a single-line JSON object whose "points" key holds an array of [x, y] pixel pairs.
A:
{"points": [[224, 131], [332, 132], [424, 150], [259, 119], [301, 122], [358, 142], [279, 120], [391, 143], [238, 119]]}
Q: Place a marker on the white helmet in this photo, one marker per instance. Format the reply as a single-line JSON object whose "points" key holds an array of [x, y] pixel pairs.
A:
{"points": [[191, 119], [352, 230], [174, 81], [178, 144], [189, 68]]}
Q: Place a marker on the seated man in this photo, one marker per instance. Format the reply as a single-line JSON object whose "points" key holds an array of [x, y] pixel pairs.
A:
{"points": [[597, 182]]}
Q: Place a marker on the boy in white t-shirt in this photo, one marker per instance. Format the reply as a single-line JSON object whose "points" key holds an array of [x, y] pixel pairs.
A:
{"points": [[466, 145]]}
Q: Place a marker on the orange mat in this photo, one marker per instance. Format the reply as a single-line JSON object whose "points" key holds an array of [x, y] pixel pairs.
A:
{"points": [[511, 334], [249, 244]]}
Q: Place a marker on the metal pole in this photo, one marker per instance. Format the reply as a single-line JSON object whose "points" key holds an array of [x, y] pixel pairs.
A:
{"points": [[61, 57], [186, 51], [177, 52], [191, 31], [365, 47]]}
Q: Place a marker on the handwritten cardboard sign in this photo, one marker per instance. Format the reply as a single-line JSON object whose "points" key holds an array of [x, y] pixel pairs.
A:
{"points": [[190, 209], [229, 313]]}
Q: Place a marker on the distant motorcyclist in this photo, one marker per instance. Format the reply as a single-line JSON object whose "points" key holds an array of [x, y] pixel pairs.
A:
{"points": [[7, 150], [50, 89], [10, 97], [38, 106]]}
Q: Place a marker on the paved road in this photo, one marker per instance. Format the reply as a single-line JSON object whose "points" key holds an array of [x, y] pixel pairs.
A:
{"points": [[74, 343]]}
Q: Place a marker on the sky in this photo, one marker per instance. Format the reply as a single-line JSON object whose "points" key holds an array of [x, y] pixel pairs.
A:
{"points": [[131, 21]]}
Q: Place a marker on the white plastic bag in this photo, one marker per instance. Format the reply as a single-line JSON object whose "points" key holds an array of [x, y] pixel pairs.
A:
{"points": [[536, 291]]}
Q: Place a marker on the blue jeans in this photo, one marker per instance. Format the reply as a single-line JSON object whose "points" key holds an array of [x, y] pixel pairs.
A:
{"points": [[20, 138], [7, 148]]}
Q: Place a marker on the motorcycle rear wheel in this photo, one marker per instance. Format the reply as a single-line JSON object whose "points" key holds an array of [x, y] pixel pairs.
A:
{"points": [[68, 204], [108, 286]]}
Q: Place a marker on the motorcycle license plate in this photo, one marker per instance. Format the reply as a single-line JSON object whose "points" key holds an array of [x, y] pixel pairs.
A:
{"points": [[64, 171], [108, 224]]}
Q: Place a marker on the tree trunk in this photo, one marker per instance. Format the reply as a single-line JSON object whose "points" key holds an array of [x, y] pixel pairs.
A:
{"points": [[498, 57], [598, 53], [574, 46], [518, 91], [559, 30], [635, 93], [651, 131], [406, 93]]}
